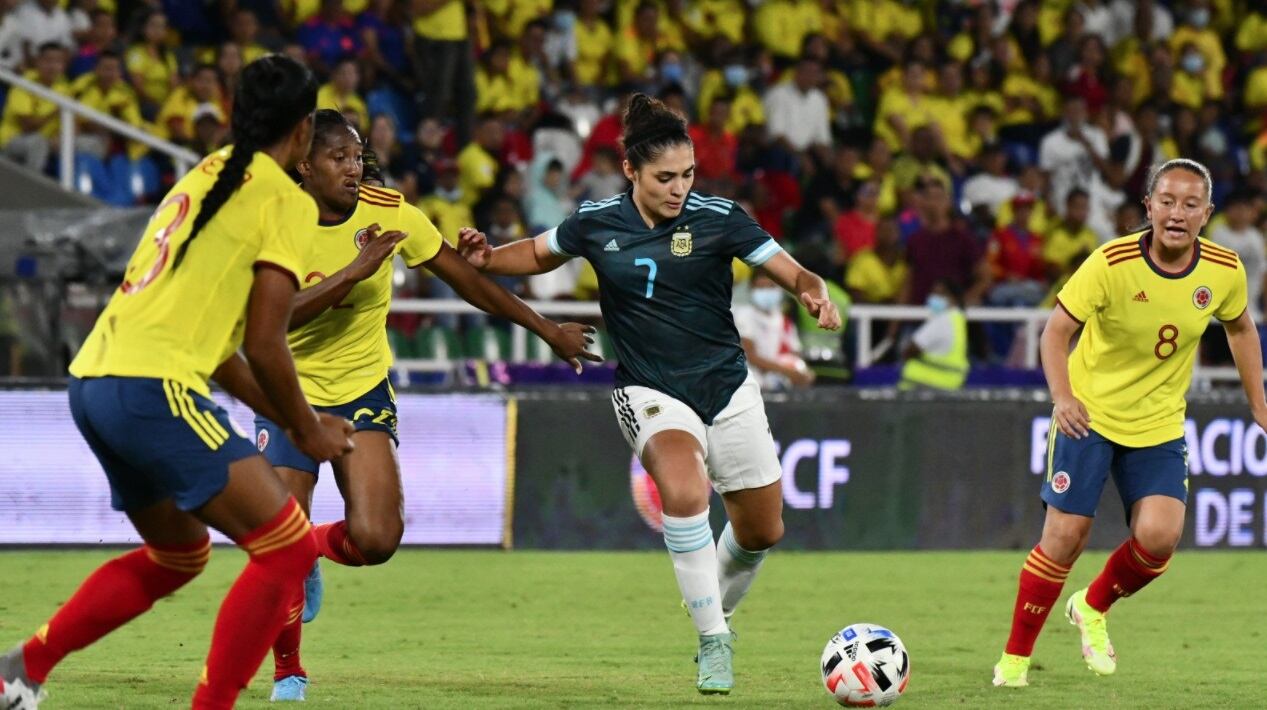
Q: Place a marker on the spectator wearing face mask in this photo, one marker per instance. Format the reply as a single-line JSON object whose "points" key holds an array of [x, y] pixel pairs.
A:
{"points": [[445, 207], [1195, 30], [769, 337], [937, 355], [1193, 85], [733, 80]]}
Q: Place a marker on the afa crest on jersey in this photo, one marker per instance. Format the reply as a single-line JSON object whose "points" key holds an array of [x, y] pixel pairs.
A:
{"points": [[1201, 297], [361, 238], [681, 244]]}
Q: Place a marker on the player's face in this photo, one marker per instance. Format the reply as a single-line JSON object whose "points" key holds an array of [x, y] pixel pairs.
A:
{"points": [[332, 171], [661, 187], [1178, 208]]}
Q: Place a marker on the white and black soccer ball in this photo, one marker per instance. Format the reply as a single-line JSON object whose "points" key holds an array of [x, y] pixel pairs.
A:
{"points": [[865, 666]]}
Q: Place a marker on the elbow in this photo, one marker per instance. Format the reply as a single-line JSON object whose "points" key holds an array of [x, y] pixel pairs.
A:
{"points": [[261, 350]]}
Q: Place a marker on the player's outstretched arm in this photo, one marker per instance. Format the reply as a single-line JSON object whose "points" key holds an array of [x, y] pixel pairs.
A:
{"points": [[568, 340], [320, 436], [807, 286], [1242, 340], [313, 301], [1068, 413], [525, 257]]}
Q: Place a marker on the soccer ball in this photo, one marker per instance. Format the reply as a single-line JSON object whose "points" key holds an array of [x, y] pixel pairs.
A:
{"points": [[865, 666]]}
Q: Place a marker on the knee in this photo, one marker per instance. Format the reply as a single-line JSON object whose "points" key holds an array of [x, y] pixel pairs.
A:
{"points": [[1158, 541], [762, 537], [1063, 544], [378, 541]]}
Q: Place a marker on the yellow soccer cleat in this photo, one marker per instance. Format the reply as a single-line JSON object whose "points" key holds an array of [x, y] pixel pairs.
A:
{"points": [[1012, 671], [1097, 650]]}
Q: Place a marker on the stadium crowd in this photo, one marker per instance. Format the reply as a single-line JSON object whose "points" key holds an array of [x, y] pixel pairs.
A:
{"points": [[889, 144]]}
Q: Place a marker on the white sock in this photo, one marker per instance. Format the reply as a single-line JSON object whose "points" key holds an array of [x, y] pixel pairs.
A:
{"points": [[690, 543], [736, 568]]}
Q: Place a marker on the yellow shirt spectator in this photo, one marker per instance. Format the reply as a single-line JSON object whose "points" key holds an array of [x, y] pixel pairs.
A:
{"points": [[914, 110], [711, 18], [671, 36], [781, 25], [1207, 41], [1062, 243], [746, 108], [118, 101], [153, 73], [593, 51], [329, 96], [526, 79], [448, 217], [880, 18], [873, 280], [1255, 95], [477, 171], [445, 24], [20, 104], [636, 53], [1017, 89], [179, 110], [951, 114], [1251, 35], [512, 15], [1194, 91]]}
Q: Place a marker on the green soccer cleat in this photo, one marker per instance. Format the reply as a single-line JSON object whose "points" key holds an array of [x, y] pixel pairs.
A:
{"points": [[1012, 671], [1097, 650], [716, 655]]}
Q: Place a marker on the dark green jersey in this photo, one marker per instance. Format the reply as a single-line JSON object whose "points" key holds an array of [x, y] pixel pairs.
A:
{"points": [[665, 292]]}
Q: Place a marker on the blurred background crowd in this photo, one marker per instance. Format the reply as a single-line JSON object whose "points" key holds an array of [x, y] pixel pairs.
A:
{"points": [[891, 145]]}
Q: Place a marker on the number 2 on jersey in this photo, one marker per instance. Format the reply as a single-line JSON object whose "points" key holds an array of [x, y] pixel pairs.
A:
{"points": [[1166, 335], [650, 264]]}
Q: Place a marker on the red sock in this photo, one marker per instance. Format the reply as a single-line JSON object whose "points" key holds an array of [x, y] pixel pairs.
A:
{"points": [[334, 544], [119, 591], [286, 647], [1128, 570], [282, 551], [1040, 585]]}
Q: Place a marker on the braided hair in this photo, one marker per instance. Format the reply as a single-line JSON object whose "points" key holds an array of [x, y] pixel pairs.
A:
{"points": [[273, 95], [650, 129]]}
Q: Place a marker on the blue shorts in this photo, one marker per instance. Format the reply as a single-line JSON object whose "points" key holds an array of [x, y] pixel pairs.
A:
{"points": [[156, 439], [373, 411], [1077, 470]]}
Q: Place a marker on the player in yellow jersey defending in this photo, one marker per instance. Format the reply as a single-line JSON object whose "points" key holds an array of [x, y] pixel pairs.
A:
{"points": [[339, 337], [217, 268], [1142, 302]]}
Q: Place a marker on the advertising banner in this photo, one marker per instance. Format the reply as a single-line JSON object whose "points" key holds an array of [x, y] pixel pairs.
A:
{"points": [[877, 470], [453, 460]]}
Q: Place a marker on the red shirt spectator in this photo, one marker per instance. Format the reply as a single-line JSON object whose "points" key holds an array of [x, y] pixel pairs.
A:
{"points": [[716, 149], [941, 249], [1015, 253], [855, 229]]}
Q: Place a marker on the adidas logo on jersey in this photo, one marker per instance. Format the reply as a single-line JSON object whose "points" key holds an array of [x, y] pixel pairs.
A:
{"points": [[612, 246], [1140, 297]]}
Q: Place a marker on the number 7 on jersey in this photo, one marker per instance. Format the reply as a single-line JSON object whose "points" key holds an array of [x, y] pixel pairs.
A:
{"points": [[651, 268]]}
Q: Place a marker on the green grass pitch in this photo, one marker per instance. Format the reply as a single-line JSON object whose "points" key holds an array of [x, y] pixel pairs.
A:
{"points": [[469, 629]]}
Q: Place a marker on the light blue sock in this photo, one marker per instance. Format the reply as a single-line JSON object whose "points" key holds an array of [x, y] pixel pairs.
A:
{"points": [[736, 568], [690, 543]]}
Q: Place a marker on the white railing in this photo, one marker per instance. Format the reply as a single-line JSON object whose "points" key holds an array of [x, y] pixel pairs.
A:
{"points": [[183, 158], [864, 317]]}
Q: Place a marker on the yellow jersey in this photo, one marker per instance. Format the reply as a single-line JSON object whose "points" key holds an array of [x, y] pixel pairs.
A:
{"points": [[22, 104], [446, 23], [180, 325], [1133, 362], [343, 353]]}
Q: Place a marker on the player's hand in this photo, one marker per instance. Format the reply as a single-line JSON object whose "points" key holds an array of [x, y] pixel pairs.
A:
{"points": [[474, 247], [570, 341], [329, 438], [823, 309], [1072, 418], [378, 248]]}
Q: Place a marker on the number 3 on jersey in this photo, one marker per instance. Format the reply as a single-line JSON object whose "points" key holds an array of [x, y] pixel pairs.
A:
{"points": [[1167, 335], [651, 268]]}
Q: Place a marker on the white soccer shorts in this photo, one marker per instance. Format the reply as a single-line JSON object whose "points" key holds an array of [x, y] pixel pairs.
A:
{"points": [[738, 448]]}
